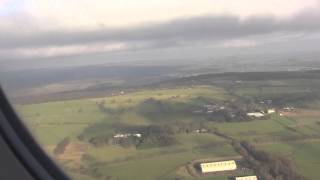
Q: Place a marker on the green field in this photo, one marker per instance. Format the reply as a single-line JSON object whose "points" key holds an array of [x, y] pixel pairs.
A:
{"points": [[296, 137]]}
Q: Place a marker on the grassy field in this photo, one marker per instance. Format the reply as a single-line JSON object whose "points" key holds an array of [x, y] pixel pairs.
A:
{"points": [[51, 122], [296, 137], [161, 165]]}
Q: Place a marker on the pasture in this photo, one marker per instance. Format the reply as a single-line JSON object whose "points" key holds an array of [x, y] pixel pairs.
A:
{"points": [[296, 137]]}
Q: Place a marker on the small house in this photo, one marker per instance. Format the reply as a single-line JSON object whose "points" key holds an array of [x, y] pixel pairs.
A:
{"points": [[271, 111], [255, 114], [126, 135]]}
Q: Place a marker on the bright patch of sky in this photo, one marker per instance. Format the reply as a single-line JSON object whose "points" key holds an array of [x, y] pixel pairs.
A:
{"points": [[109, 13], [11, 7]]}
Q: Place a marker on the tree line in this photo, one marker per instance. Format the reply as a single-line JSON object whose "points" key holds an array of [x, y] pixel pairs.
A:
{"points": [[266, 165]]}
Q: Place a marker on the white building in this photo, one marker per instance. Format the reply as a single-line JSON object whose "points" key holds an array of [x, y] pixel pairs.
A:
{"points": [[255, 114], [271, 111], [202, 130], [288, 109], [127, 135], [218, 166], [247, 178]]}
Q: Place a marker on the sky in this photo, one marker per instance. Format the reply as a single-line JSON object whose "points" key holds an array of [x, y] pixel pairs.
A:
{"points": [[54, 29]]}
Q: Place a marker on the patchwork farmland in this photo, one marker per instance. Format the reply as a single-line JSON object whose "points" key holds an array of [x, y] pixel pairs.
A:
{"points": [[183, 122]]}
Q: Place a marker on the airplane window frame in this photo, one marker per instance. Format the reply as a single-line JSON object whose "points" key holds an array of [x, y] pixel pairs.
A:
{"points": [[20, 141]]}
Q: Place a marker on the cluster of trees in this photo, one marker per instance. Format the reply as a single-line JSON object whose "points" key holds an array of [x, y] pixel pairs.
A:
{"points": [[236, 110], [100, 140], [228, 116], [156, 140], [151, 135], [297, 99], [267, 166], [161, 110], [157, 135], [126, 142], [175, 127], [102, 107], [61, 146], [158, 110]]}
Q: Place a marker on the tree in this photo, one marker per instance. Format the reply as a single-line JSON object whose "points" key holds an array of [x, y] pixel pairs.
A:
{"points": [[61, 146]]}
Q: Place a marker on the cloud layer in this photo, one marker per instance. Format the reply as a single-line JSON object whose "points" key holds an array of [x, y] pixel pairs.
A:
{"points": [[205, 30]]}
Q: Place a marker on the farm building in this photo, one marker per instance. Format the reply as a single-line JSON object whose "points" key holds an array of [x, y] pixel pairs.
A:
{"points": [[271, 111], [255, 114], [126, 135], [288, 109], [246, 178], [218, 166], [202, 130]]}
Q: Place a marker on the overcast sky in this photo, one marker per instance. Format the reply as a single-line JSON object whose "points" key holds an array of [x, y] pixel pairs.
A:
{"points": [[41, 29]]}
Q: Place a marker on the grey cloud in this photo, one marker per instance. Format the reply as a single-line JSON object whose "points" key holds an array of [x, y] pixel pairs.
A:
{"points": [[173, 33]]}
